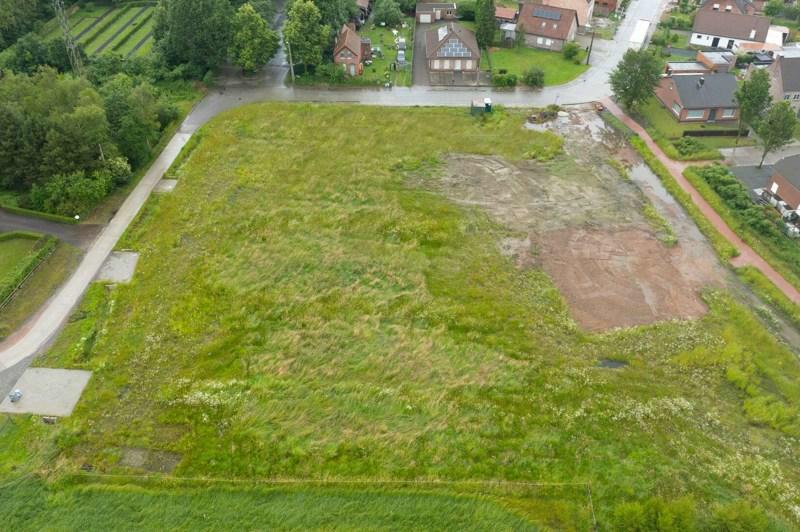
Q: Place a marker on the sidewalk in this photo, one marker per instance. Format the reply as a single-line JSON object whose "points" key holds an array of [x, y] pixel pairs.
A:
{"points": [[747, 257]]}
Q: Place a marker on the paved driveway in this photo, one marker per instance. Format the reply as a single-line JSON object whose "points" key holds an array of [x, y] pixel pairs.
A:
{"points": [[80, 236]]}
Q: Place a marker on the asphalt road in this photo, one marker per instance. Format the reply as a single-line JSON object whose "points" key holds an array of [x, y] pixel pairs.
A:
{"points": [[80, 236], [235, 90]]}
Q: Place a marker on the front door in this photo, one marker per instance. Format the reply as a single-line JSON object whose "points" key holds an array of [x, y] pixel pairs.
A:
{"points": [[715, 42], [712, 115]]}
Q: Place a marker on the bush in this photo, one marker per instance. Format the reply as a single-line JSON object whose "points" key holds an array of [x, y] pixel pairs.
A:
{"points": [[504, 80], [534, 77], [655, 515], [71, 194], [466, 10], [739, 516], [571, 51], [689, 146], [118, 169]]}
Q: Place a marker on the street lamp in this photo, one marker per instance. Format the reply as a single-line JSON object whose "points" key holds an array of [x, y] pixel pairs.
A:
{"points": [[591, 43]]}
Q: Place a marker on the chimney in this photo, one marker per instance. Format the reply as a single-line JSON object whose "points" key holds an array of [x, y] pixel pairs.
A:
{"points": [[701, 82]]}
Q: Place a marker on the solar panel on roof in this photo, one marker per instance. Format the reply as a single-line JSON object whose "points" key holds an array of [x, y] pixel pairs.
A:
{"points": [[543, 13]]}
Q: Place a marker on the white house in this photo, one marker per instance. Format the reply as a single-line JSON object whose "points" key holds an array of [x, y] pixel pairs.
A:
{"points": [[740, 33]]}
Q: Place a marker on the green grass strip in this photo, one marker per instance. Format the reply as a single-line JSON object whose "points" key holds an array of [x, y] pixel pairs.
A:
{"points": [[105, 27], [134, 31], [42, 249]]}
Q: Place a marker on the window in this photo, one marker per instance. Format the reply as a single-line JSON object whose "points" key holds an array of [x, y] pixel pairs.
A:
{"points": [[787, 97], [457, 64], [698, 36], [437, 64], [676, 108], [548, 42], [774, 188], [698, 114], [728, 8], [716, 7], [468, 64], [539, 40], [797, 96], [728, 113]]}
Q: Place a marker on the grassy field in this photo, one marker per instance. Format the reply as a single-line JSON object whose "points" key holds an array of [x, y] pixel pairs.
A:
{"points": [[12, 252], [319, 314], [43, 284], [557, 70]]}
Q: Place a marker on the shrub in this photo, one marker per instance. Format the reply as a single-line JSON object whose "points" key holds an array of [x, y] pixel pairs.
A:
{"points": [[534, 77], [118, 169], [548, 151], [466, 10], [504, 80], [739, 515], [571, 51], [655, 515], [689, 145], [71, 194]]}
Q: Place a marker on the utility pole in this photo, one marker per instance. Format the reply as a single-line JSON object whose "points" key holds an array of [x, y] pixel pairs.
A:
{"points": [[591, 44], [291, 63], [73, 52]]}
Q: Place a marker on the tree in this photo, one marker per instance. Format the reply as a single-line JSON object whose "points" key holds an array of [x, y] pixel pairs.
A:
{"points": [[335, 13], [304, 33], [484, 23], [253, 42], [776, 130], [387, 11], [753, 98], [635, 78], [193, 32]]}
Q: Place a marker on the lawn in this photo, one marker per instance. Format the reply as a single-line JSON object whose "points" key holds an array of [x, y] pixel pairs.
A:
{"points": [[557, 70], [663, 127], [12, 253], [320, 313]]}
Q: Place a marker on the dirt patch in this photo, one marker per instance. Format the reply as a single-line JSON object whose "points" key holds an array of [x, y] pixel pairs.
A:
{"points": [[582, 223], [149, 459]]}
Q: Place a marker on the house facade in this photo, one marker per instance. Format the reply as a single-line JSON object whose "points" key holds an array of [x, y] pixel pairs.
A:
{"points": [[699, 97], [785, 181], [785, 76], [452, 54], [738, 33], [546, 27], [350, 51], [428, 13]]}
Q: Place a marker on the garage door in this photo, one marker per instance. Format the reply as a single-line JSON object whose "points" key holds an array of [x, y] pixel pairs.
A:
{"points": [[425, 19]]}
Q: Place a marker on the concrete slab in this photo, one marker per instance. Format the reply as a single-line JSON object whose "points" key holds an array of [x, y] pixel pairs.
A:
{"points": [[165, 185], [119, 267], [47, 392]]}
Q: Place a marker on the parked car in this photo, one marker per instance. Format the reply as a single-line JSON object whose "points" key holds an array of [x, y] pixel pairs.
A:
{"points": [[401, 56]]}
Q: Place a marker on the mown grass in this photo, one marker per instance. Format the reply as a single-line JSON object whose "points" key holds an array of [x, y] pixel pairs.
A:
{"points": [[43, 284], [517, 60], [12, 252], [302, 311]]}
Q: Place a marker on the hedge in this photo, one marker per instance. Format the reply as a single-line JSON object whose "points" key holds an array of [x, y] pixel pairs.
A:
{"points": [[43, 249], [769, 293], [38, 214]]}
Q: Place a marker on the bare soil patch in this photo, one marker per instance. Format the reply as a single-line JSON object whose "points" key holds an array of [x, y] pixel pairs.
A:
{"points": [[581, 222], [149, 459]]}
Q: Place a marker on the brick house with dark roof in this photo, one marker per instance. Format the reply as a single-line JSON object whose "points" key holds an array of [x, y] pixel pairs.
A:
{"points": [[717, 29], [785, 74], [430, 12], [547, 27], [350, 51], [699, 98], [452, 54], [785, 181]]}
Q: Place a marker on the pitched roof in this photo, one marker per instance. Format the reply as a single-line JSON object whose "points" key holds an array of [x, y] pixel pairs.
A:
{"points": [[790, 73], [789, 167], [505, 13], [581, 7], [347, 38], [732, 25], [438, 42], [715, 90], [744, 6], [427, 7], [546, 21]]}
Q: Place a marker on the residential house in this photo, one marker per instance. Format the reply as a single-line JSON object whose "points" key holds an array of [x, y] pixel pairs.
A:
{"points": [[739, 33], [605, 7], [699, 98], [740, 7], [505, 15], [350, 50], [583, 8], [785, 181], [785, 74], [452, 54], [428, 13], [547, 27]]}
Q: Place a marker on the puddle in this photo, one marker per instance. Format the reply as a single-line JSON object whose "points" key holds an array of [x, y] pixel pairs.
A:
{"points": [[611, 364]]}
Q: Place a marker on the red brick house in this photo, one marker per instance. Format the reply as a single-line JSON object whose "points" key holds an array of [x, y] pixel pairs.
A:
{"points": [[785, 181], [699, 97], [453, 55], [547, 27], [350, 51]]}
